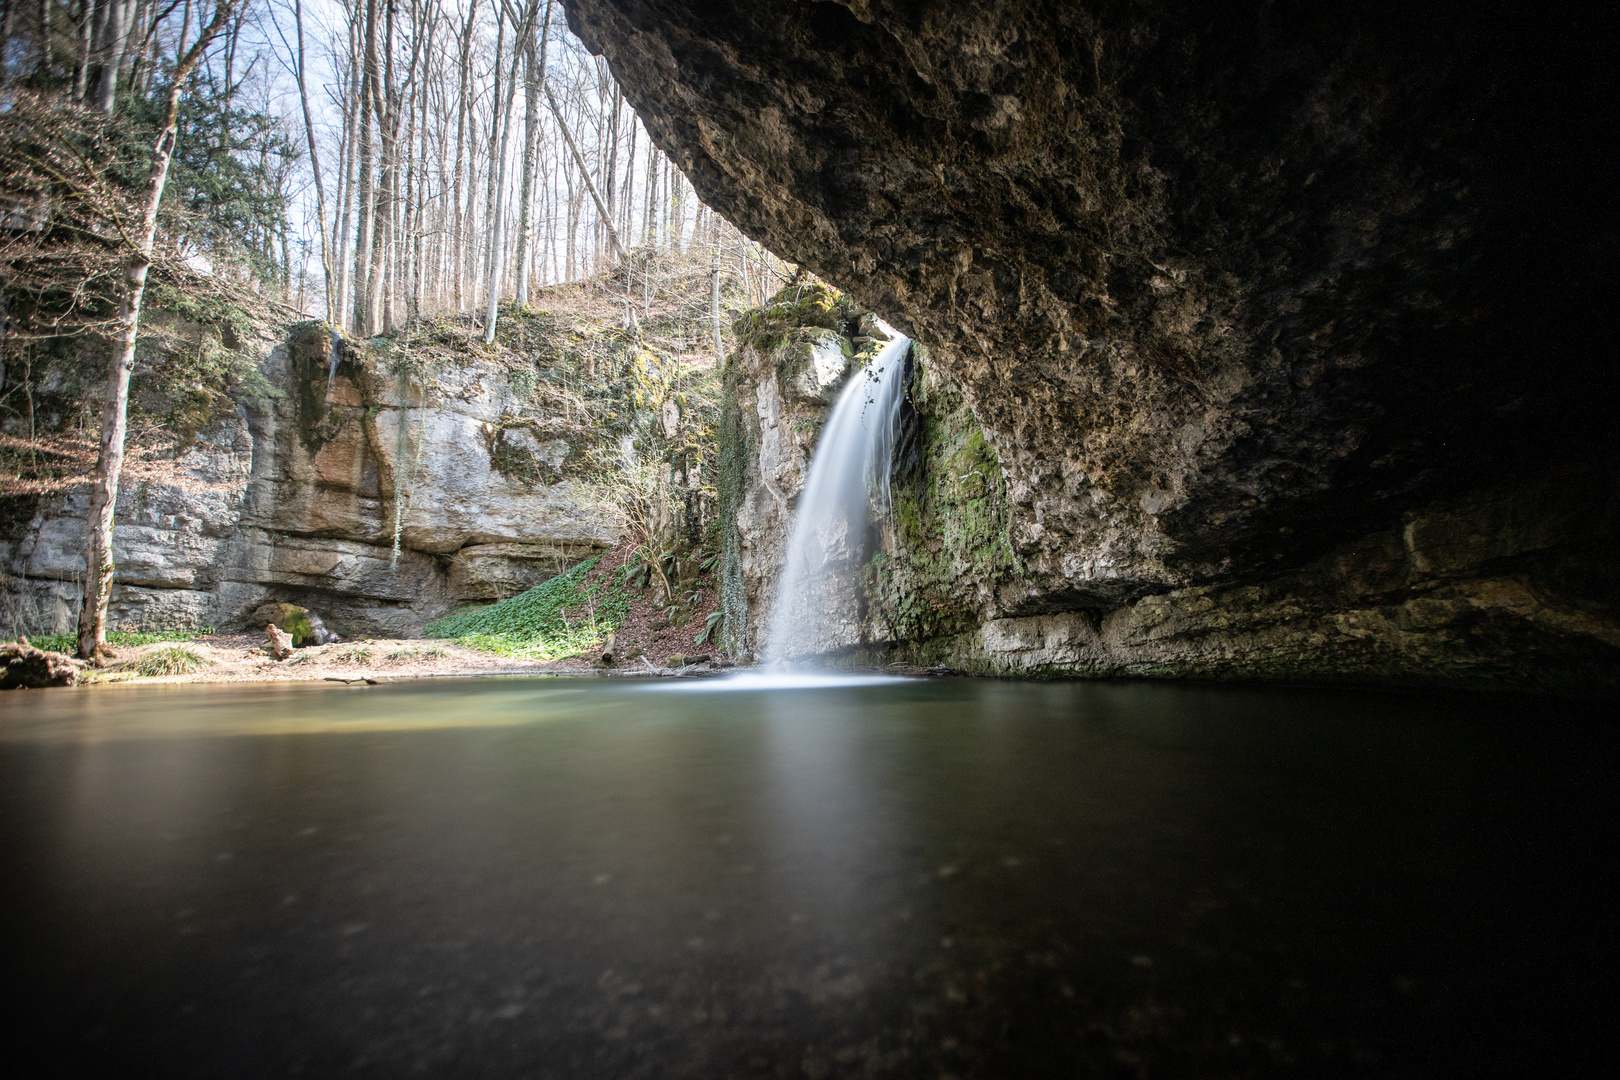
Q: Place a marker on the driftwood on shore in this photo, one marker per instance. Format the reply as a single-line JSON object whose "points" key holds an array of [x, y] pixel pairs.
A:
{"points": [[281, 642], [24, 667]]}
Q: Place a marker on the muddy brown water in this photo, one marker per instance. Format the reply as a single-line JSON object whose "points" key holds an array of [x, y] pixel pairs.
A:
{"points": [[930, 878]]}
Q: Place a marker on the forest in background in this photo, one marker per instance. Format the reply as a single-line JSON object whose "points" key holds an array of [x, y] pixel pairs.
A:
{"points": [[180, 178]]}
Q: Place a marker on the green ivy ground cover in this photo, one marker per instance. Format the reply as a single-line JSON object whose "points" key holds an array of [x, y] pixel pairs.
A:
{"points": [[561, 617]]}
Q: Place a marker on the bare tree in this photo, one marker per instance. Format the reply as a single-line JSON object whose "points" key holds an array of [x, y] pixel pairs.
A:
{"points": [[92, 635], [299, 70], [365, 191], [498, 168], [584, 172], [534, 76]]}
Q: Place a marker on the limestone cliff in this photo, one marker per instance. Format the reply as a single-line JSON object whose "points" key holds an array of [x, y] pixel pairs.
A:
{"points": [[1282, 323], [456, 454]]}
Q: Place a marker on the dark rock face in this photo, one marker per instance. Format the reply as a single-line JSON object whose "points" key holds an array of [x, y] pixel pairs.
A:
{"points": [[1226, 285]]}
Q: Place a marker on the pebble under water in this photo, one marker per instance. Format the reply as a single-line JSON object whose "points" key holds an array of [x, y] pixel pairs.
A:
{"points": [[931, 878]]}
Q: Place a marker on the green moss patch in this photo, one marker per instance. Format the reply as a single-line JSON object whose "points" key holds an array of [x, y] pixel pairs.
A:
{"points": [[950, 521]]}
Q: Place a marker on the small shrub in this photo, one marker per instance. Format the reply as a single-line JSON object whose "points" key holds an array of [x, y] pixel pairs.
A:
{"points": [[175, 660], [354, 654]]}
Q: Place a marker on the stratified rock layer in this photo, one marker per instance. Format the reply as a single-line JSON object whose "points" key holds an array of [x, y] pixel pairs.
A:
{"points": [[1230, 289], [296, 503]]}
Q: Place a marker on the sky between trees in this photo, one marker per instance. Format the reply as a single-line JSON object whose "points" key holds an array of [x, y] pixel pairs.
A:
{"points": [[372, 161]]}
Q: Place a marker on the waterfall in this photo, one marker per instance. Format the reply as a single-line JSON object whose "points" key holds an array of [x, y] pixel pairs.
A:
{"points": [[334, 349], [818, 585]]}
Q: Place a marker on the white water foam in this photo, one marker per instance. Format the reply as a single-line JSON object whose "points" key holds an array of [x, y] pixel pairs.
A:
{"points": [[776, 680]]}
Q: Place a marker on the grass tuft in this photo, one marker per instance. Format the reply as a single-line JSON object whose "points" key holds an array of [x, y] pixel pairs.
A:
{"points": [[175, 660], [561, 617]]}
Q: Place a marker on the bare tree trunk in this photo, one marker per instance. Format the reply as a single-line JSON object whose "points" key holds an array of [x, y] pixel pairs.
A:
{"points": [[382, 233], [494, 142], [463, 106], [521, 40], [549, 203], [44, 42], [365, 192], [649, 217], [132, 41], [410, 257], [535, 75], [576, 198], [441, 215], [87, 19], [8, 23], [386, 108], [314, 162], [346, 178], [627, 214], [92, 633], [585, 174], [119, 16], [609, 170]]}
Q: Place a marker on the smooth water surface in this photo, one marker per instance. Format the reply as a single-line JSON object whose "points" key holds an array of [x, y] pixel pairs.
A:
{"points": [[571, 878]]}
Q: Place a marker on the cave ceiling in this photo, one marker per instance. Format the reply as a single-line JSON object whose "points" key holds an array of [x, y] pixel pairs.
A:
{"points": [[1220, 280]]}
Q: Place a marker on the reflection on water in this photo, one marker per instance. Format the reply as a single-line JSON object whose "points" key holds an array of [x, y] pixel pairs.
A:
{"points": [[773, 679], [892, 878], [179, 711]]}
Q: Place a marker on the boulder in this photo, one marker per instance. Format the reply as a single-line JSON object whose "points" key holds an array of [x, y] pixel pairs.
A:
{"points": [[302, 624]]}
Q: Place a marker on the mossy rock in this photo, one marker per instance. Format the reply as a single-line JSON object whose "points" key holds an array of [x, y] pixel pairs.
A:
{"points": [[809, 304], [303, 624]]}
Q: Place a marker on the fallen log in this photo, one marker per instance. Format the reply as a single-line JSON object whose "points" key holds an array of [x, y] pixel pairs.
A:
{"points": [[281, 642], [24, 667]]}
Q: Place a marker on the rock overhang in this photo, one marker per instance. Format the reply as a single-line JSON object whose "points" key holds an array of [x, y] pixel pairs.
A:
{"points": [[1221, 282]]}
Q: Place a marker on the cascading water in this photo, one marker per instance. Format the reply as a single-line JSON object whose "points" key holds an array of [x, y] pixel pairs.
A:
{"points": [[816, 589], [334, 352]]}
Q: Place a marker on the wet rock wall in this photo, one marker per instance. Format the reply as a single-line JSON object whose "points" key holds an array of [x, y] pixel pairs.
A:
{"points": [[1504, 589]]}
